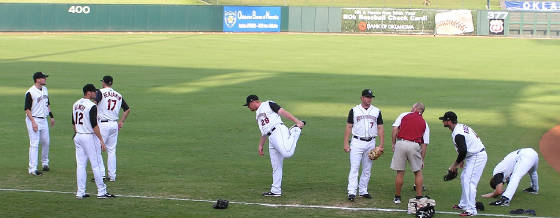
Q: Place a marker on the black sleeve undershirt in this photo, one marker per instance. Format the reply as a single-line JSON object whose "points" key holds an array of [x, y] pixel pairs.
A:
{"points": [[350, 119], [93, 116], [275, 107], [28, 101], [124, 106], [380, 119], [97, 96], [73, 123], [461, 148]]}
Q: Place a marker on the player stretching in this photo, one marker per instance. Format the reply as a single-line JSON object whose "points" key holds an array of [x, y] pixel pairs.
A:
{"points": [[282, 141], [471, 156], [110, 102]]}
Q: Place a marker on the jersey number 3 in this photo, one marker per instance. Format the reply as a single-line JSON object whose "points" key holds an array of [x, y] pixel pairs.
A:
{"points": [[109, 108]]}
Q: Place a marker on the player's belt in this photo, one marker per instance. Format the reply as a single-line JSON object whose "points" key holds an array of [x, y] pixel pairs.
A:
{"points": [[39, 117], [104, 121], [365, 139], [401, 139], [272, 130]]}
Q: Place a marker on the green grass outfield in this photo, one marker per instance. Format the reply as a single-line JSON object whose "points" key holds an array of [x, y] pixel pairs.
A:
{"points": [[189, 137], [468, 4]]}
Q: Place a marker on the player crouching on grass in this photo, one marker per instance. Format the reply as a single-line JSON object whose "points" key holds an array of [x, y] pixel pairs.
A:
{"points": [[282, 141], [510, 170]]}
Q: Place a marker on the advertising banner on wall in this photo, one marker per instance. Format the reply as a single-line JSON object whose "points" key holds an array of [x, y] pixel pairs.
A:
{"points": [[387, 20], [251, 19], [533, 6], [455, 22]]}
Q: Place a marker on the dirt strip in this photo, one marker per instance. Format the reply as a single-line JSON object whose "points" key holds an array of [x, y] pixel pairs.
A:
{"points": [[550, 147]]}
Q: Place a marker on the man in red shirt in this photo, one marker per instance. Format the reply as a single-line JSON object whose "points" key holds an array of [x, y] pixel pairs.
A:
{"points": [[411, 136]]}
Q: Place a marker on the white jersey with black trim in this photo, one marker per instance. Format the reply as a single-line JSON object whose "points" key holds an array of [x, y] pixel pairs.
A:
{"points": [[267, 119], [81, 116], [474, 144], [40, 105], [365, 121], [110, 104]]}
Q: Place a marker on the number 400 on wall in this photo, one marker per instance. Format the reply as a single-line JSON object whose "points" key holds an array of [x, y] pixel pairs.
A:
{"points": [[77, 9]]}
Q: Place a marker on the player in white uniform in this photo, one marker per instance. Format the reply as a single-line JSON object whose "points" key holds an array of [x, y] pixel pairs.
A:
{"points": [[510, 170], [365, 123], [471, 157], [281, 140], [109, 103], [37, 108], [84, 122]]}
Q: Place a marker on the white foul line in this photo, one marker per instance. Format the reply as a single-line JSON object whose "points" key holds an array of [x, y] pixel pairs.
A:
{"points": [[273, 205]]}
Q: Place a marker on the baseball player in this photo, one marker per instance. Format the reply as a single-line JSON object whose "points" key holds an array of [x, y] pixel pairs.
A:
{"points": [[84, 122], [510, 170], [37, 108], [365, 123], [410, 137], [281, 140], [109, 103], [471, 157]]}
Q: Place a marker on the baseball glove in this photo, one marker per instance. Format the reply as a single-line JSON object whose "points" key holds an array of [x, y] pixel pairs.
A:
{"points": [[450, 175], [375, 153]]}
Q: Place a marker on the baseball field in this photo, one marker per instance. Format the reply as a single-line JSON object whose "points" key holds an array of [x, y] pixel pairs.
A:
{"points": [[188, 139]]}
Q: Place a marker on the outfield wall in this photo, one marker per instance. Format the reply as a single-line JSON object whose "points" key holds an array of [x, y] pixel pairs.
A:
{"points": [[213, 18]]}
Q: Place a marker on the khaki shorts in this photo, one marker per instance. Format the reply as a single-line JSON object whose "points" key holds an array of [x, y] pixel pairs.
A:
{"points": [[407, 151]]}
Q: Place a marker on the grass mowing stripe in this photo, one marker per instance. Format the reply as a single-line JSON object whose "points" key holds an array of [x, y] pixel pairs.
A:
{"points": [[264, 204]]}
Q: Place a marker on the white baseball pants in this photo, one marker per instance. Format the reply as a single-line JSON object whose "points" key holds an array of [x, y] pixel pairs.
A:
{"points": [[528, 163], [359, 154], [109, 132], [472, 171], [41, 136], [87, 147], [282, 144]]}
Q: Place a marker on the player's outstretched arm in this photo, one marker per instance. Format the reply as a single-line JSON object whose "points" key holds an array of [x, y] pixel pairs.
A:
{"points": [[288, 115]]}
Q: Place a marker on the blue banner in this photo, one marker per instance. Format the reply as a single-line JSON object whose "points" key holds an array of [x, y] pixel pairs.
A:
{"points": [[251, 19], [533, 6]]}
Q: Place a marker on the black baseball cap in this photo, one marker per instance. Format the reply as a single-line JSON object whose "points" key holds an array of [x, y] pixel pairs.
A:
{"points": [[107, 80], [449, 116], [367, 93], [250, 99], [89, 88], [38, 75]]}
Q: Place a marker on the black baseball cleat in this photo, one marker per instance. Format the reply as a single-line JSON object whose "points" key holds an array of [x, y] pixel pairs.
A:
{"points": [[456, 207], [351, 197], [504, 201], [82, 197], [270, 194], [368, 196], [397, 199], [531, 190], [46, 168], [106, 195], [36, 173], [465, 213]]}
